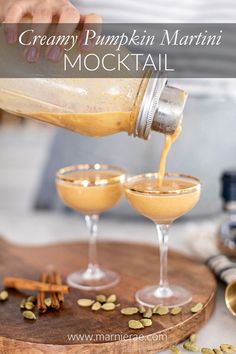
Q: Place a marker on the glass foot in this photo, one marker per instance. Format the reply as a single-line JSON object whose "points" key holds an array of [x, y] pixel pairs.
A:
{"points": [[170, 296], [93, 279]]}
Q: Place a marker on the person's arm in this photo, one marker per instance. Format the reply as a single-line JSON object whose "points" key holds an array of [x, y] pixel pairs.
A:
{"points": [[43, 12]]}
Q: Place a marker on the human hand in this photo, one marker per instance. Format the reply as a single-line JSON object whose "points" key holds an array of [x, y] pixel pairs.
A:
{"points": [[43, 12]]}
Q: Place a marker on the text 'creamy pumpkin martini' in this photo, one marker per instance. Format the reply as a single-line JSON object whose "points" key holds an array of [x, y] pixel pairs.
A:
{"points": [[91, 190], [163, 197]]}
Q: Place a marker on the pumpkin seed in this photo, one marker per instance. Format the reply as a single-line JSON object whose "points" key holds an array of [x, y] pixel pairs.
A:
{"points": [[85, 302], [32, 298], [146, 322], [176, 310], [228, 348], [29, 315], [22, 304], [141, 309], [111, 298], [96, 306], [193, 338], [147, 313], [207, 351], [29, 305], [191, 347], [133, 324], [162, 310], [217, 351], [128, 311], [101, 298], [3, 295], [197, 307], [175, 350], [108, 306]]}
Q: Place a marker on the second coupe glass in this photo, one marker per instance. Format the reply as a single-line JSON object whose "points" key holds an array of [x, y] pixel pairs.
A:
{"points": [[178, 194]]}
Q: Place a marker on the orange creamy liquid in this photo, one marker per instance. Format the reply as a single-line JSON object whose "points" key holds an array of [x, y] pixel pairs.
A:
{"points": [[164, 199], [96, 124], [163, 208], [169, 140], [90, 192], [91, 124]]}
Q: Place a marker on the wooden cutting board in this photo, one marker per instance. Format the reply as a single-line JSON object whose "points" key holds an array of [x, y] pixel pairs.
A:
{"points": [[137, 265]]}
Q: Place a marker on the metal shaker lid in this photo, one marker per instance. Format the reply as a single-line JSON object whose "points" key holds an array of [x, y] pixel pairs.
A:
{"points": [[169, 112], [161, 109]]}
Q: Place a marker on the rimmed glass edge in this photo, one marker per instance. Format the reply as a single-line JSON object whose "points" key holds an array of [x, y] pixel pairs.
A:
{"points": [[169, 174], [61, 173]]}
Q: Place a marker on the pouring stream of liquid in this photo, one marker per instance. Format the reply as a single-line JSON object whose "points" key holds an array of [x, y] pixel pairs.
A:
{"points": [[169, 140]]}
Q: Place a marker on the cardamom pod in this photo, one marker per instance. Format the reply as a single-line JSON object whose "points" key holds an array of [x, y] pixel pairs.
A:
{"points": [[22, 304], [217, 351], [133, 324], [146, 322], [227, 348], [32, 298], [29, 305], [193, 338], [191, 347], [147, 313], [155, 309], [29, 315], [197, 307], [176, 310], [141, 309], [111, 298], [48, 301], [101, 298], [162, 310], [85, 302], [207, 351], [175, 350], [108, 306], [128, 311], [3, 295], [96, 306]]}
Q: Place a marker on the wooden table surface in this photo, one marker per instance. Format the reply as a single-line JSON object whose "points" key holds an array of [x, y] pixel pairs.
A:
{"points": [[137, 265]]}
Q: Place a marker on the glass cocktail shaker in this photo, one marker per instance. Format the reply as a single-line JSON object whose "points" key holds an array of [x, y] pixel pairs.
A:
{"points": [[97, 107]]}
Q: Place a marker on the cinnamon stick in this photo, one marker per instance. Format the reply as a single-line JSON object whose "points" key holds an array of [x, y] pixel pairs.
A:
{"points": [[41, 295], [27, 284], [55, 304], [58, 281]]}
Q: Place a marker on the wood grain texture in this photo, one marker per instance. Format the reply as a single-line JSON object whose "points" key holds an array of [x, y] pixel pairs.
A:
{"points": [[137, 265]]}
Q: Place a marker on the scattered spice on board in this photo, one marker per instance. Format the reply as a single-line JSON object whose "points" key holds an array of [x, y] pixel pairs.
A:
{"points": [[197, 307], [3, 295]]}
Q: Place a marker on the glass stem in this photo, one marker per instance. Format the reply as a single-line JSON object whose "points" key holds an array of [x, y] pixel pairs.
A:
{"points": [[92, 225], [163, 234]]}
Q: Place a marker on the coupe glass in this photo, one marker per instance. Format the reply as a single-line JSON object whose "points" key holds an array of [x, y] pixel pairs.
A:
{"points": [[91, 190], [178, 194]]}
